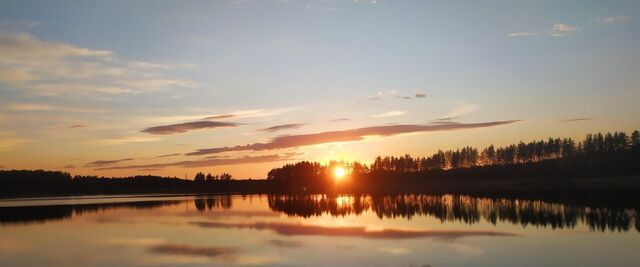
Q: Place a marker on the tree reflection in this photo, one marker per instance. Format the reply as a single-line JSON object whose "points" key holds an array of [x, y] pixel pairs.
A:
{"points": [[458, 208], [213, 202], [42, 214]]}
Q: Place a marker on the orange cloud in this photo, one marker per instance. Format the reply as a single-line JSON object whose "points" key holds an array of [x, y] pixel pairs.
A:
{"points": [[282, 127], [210, 162], [346, 136], [187, 126]]}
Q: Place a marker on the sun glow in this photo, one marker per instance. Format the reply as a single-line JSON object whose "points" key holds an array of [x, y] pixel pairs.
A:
{"points": [[339, 173]]}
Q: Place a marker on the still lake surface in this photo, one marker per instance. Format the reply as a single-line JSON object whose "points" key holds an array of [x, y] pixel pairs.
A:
{"points": [[314, 230]]}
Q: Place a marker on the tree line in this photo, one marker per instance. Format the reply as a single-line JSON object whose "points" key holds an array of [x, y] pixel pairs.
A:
{"points": [[534, 151], [201, 177], [598, 154]]}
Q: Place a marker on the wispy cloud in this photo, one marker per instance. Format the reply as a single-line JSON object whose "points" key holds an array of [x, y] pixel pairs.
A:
{"points": [[346, 136], [251, 113], [575, 119], [75, 126], [211, 162], [220, 117], [444, 120], [99, 163], [187, 126], [611, 20], [130, 139], [387, 114], [561, 29], [282, 127], [462, 108], [26, 107], [420, 95], [340, 120], [166, 155], [132, 241], [291, 229], [522, 34], [8, 141], [50, 68]]}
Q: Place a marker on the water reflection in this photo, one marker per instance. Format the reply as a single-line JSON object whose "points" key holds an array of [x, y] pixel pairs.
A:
{"points": [[446, 208], [298, 229], [465, 209], [213, 202], [42, 214]]}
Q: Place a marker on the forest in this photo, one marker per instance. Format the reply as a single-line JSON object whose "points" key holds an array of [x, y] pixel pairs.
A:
{"points": [[610, 161]]}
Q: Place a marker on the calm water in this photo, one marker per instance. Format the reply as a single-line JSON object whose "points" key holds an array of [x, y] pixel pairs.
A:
{"points": [[266, 230]]}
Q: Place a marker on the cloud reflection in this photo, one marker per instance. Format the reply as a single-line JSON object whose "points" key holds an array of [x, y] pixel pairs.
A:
{"points": [[191, 250], [289, 229]]}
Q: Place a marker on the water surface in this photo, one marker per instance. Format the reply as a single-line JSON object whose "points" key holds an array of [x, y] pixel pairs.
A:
{"points": [[314, 230]]}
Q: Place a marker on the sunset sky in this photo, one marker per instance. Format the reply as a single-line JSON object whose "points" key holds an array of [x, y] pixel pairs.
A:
{"points": [[120, 88]]}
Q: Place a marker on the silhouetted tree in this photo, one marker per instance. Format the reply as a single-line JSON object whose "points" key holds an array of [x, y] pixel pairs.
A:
{"points": [[199, 178]]}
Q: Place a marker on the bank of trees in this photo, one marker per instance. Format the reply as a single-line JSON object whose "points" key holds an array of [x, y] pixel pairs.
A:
{"points": [[202, 178], [593, 145], [593, 150]]}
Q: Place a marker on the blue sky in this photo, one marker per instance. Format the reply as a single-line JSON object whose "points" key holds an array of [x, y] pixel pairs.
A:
{"points": [[116, 68]]}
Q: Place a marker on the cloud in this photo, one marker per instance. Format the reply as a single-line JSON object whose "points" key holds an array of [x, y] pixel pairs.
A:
{"points": [[8, 141], [522, 34], [560, 29], [251, 113], [190, 250], [575, 119], [26, 107], [462, 108], [167, 155], [39, 67], [420, 95], [340, 119], [376, 96], [611, 20], [392, 113], [282, 127], [69, 166], [222, 116], [444, 120], [99, 163], [130, 139], [132, 242], [291, 229], [187, 126], [357, 134], [75, 126], [210, 162]]}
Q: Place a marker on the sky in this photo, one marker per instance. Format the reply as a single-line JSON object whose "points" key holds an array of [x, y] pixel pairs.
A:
{"points": [[119, 88]]}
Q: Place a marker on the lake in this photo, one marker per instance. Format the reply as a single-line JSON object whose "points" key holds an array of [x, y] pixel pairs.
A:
{"points": [[314, 230]]}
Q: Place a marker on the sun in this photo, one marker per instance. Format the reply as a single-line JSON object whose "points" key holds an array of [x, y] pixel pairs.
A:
{"points": [[339, 173]]}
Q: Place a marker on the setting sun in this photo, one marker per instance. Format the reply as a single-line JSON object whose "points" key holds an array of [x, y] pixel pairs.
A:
{"points": [[339, 173]]}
